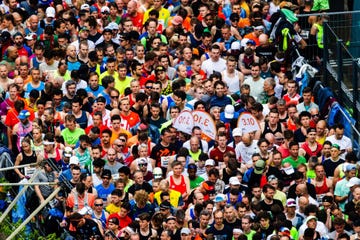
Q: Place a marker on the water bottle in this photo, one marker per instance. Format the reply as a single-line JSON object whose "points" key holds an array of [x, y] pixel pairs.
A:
{"points": [[8, 198]]}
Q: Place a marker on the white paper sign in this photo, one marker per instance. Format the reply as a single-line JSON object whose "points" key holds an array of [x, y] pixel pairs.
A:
{"points": [[247, 123], [205, 122], [184, 122]]}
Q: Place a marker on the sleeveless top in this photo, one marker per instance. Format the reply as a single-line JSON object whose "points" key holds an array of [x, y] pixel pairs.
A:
{"points": [[102, 218], [268, 130], [232, 82], [181, 188], [322, 189], [57, 157], [27, 159], [248, 61], [82, 120], [168, 89], [142, 237], [309, 152]]}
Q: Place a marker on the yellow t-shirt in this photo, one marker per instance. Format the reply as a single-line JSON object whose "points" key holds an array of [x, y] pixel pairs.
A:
{"points": [[164, 15], [174, 198], [106, 73], [111, 208], [121, 85]]}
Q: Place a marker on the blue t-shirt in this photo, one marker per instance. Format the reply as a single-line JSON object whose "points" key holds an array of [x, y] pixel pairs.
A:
{"points": [[104, 192]]}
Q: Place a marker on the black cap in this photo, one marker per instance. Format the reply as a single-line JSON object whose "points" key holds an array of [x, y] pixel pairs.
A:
{"points": [[5, 36], [357, 223], [234, 17], [107, 30], [309, 130], [101, 99], [18, 34], [159, 69], [114, 220], [165, 204], [106, 173]]}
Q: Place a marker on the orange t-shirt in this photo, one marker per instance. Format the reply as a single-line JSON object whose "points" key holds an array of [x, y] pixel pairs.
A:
{"points": [[252, 37], [132, 119], [12, 117], [70, 201]]}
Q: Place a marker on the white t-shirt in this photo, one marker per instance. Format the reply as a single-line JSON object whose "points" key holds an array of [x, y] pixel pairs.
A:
{"points": [[256, 87], [209, 66], [245, 152]]}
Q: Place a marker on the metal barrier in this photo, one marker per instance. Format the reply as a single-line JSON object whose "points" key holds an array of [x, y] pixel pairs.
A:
{"points": [[340, 67]]}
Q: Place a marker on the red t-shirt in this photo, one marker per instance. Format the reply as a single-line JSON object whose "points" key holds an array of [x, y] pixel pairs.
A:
{"points": [[218, 155]]}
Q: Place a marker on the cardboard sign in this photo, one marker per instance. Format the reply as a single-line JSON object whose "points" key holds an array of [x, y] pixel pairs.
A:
{"points": [[205, 122], [247, 123], [184, 122]]}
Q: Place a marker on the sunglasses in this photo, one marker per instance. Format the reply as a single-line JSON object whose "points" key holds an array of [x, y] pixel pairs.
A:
{"points": [[114, 96], [123, 140], [143, 165], [315, 115], [99, 205], [148, 87]]}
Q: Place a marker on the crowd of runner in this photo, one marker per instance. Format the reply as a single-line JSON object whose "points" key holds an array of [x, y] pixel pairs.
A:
{"points": [[90, 91]]}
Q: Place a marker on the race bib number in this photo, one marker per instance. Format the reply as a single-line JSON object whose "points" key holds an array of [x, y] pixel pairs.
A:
{"points": [[29, 171], [165, 161]]}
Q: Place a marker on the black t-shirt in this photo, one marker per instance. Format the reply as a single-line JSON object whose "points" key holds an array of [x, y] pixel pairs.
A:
{"points": [[268, 52], [159, 151], [88, 231], [299, 136], [236, 224], [310, 187], [224, 234], [330, 166], [267, 207]]}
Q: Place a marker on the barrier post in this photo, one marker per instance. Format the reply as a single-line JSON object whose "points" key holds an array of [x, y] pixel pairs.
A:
{"points": [[325, 53], [339, 56], [12, 204], [355, 88], [42, 205]]}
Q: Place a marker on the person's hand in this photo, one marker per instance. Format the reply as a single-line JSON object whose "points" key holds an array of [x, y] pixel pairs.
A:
{"points": [[63, 223]]}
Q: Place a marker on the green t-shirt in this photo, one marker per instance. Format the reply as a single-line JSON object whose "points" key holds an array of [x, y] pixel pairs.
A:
{"points": [[250, 234], [120, 85], [294, 163], [195, 156], [311, 174], [196, 182], [71, 138]]}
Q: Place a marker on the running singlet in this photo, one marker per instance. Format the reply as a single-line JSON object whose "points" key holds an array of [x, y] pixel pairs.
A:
{"points": [[181, 188]]}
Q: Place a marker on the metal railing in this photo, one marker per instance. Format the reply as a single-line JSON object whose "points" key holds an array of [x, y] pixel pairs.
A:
{"points": [[340, 67]]}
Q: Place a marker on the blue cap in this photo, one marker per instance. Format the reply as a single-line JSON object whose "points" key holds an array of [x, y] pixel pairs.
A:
{"points": [[24, 114], [93, 9]]}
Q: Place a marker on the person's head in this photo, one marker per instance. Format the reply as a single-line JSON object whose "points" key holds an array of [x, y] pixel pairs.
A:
{"points": [[139, 177], [204, 218], [294, 149], [141, 197], [335, 151], [269, 191], [264, 219], [215, 52], [255, 70], [218, 217], [219, 87]]}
